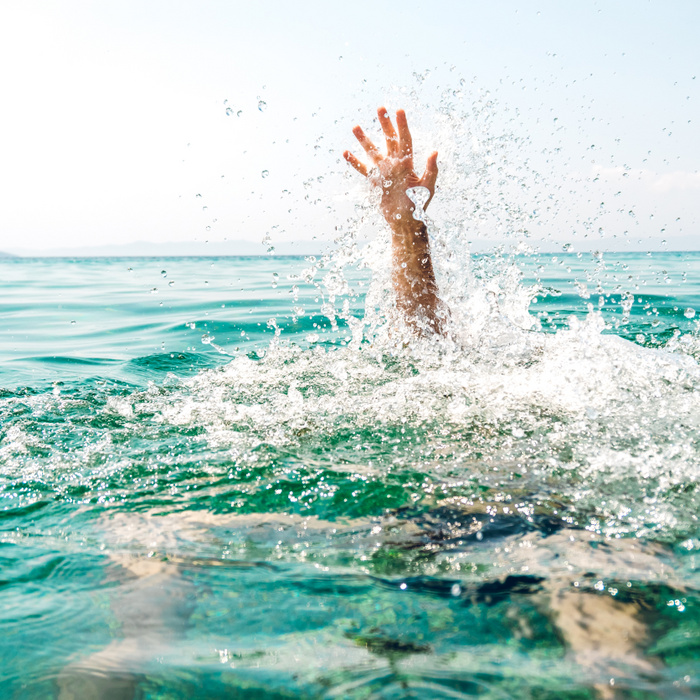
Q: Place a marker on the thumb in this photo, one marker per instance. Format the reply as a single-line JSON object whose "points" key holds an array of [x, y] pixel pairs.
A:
{"points": [[430, 176]]}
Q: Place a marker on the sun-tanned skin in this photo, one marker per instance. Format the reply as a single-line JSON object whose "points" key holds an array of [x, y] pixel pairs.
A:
{"points": [[412, 274]]}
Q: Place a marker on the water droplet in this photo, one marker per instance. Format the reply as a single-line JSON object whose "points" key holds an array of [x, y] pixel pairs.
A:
{"points": [[163, 273], [265, 173], [239, 112], [689, 313], [262, 105], [456, 590], [229, 111], [72, 323], [171, 283], [403, 586]]}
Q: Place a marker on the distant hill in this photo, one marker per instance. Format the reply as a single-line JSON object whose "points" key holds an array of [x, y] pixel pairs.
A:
{"points": [[175, 249], [148, 249]]}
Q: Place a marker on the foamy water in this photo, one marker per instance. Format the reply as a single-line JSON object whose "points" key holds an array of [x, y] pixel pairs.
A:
{"points": [[267, 487]]}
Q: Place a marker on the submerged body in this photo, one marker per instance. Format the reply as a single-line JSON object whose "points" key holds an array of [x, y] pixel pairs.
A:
{"points": [[332, 521]]}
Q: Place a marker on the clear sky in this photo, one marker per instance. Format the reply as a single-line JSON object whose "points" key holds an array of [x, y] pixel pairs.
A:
{"points": [[115, 124]]}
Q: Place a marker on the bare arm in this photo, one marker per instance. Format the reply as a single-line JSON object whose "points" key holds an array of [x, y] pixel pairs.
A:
{"points": [[412, 270]]}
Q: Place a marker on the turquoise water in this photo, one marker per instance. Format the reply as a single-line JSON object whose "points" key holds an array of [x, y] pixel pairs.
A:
{"points": [[234, 477]]}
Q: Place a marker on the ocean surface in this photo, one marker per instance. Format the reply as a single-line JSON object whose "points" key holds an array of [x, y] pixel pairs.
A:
{"points": [[239, 478]]}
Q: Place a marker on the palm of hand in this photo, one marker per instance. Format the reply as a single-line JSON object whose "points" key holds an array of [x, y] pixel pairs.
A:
{"points": [[394, 171], [395, 176]]}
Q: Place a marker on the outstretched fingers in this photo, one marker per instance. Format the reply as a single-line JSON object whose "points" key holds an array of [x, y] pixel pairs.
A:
{"points": [[357, 164], [392, 140], [399, 146], [405, 141], [369, 147]]}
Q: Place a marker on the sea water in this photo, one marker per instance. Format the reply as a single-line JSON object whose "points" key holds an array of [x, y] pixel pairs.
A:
{"points": [[237, 477]]}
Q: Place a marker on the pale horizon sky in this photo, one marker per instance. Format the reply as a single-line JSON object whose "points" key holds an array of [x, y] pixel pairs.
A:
{"points": [[115, 124]]}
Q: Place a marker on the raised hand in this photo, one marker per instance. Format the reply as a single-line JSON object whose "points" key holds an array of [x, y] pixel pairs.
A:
{"points": [[412, 274], [394, 171]]}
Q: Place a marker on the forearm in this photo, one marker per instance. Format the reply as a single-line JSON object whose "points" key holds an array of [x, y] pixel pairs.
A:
{"points": [[413, 276], [412, 269]]}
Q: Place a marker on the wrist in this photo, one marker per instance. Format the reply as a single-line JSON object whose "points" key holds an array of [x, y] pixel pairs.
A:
{"points": [[398, 209]]}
